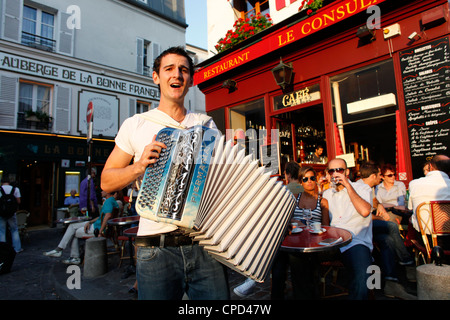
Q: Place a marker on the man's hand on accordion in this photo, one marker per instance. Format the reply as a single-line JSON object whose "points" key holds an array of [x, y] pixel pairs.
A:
{"points": [[151, 153]]}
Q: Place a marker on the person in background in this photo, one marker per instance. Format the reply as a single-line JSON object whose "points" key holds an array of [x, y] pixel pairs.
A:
{"points": [[434, 186], [350, 207], [11, 222], [72, 199], [84, 229], [426, 168], [305, 268], [84, 194], [291, 173], [387, 236], [317, 155], [390, 191]]}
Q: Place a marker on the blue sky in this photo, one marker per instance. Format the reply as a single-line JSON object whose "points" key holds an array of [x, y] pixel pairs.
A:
{"points": [[197, 31]]}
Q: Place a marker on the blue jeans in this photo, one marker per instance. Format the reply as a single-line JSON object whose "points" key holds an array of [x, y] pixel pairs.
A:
{"points": [[167, 273], [390, 229], [356, 260], [12, 222]]}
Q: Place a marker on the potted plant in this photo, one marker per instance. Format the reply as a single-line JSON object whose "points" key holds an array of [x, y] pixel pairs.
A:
{"points": [[243, 29]]}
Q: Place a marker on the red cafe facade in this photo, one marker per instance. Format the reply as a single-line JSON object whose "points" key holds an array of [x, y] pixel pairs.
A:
{"points": [[370, 82]]}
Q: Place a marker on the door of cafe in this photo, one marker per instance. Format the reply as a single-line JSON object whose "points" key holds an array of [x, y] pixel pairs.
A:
{"points": [[36, 184]]}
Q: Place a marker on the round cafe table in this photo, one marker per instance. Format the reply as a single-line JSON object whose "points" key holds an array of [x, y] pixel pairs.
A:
{"points": [[122, 222], [68, 221], [306, 241]]}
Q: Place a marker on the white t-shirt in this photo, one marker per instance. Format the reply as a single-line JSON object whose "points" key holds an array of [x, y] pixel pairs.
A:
{"points": [[137, 132], [7, 188], [344, 215]]}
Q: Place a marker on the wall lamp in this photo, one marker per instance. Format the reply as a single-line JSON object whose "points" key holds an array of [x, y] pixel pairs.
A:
{"points": [[283, 74], [365, 34], [230, 84]]}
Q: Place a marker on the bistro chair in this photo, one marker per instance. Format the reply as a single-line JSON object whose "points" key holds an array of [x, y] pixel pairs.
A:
{"points": [[21, 218], [434, 221]]}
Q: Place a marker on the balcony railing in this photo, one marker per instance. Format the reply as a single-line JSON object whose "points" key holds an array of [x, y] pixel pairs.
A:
{"points": [[35, 41]]}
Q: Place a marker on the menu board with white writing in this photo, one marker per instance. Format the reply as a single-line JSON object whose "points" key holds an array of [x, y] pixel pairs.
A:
{"points": [[426, 87]]}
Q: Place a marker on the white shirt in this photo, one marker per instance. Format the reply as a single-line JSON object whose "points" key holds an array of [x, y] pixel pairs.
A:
{"points": [[435, 186], [344, 215], [137, 132], [7, 188], [395, 195]]}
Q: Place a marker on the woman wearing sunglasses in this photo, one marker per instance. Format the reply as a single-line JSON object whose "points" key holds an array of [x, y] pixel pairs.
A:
{"points": [[304, 268], [310, 197], [390, 192]]}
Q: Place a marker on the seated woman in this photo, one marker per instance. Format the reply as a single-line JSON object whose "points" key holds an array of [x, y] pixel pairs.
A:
{"points": [[310, 198], [305, 268]]}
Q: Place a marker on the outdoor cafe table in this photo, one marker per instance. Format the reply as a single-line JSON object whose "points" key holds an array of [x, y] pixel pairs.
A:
{"points": [[131, 233], [68, 221], [122, 222], [306, 241]]}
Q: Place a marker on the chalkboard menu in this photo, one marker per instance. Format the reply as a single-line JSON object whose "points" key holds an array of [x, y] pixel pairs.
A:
{"points": [[426, 87]]}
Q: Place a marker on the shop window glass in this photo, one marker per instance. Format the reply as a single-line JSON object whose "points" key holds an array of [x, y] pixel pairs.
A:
{"points": [[364, 104], [303, 128], [249, 117]]}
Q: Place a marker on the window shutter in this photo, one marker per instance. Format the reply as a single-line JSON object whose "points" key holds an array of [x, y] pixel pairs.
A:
{"points": [[156, 50], [62, 110], [66, 35], [132, 105], [11, 20], [140, 56], [8, 95]]}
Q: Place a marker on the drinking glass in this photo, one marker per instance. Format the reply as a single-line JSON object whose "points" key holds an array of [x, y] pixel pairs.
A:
{"points": [[307, 214]]}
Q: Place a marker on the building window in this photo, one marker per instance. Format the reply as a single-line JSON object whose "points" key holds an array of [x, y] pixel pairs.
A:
{"points": [[38, 29], [364, 105], [34, 106], [142, 106], [249, 117]]}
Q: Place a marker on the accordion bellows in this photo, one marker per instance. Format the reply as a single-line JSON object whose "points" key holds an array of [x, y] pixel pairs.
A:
{"points": [[224, 199]]}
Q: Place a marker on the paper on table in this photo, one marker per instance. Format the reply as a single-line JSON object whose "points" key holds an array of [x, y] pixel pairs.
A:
{"points": [[330, 241]]}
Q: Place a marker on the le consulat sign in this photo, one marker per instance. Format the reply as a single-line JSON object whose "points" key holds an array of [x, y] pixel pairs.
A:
{"points": [[322, 19]]}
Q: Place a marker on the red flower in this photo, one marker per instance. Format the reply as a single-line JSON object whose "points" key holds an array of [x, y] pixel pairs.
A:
{"points": [[309, 12]]}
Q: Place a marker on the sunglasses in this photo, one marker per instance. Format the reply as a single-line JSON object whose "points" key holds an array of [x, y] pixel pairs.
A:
{"points": [[338, 170], [389, 175], [305, 179]]}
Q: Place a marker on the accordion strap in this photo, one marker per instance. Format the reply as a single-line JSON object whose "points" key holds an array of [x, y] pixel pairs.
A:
{"points": [[164, 119]]}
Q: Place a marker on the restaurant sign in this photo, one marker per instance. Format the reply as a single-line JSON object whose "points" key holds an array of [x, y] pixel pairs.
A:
{"points": [[287, 35]]}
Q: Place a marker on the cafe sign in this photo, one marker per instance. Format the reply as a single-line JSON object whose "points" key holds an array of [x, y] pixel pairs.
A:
{"points": [[324, 18], [305, 95]]}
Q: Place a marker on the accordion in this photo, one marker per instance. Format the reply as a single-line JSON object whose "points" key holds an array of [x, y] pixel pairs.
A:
{"points": [[222, 198]]}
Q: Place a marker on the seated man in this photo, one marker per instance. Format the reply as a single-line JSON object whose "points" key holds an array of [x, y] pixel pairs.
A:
{"points": [[387, 237], [73, 203], [72, 199], [85, 229], [349, 208], [434, 186]]}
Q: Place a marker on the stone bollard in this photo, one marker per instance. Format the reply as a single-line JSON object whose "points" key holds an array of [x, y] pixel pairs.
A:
{"points": [[433, 282], [95, 258]]}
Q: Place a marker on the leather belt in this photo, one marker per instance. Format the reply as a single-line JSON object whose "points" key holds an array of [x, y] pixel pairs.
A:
{"points": [[164, 240]]}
